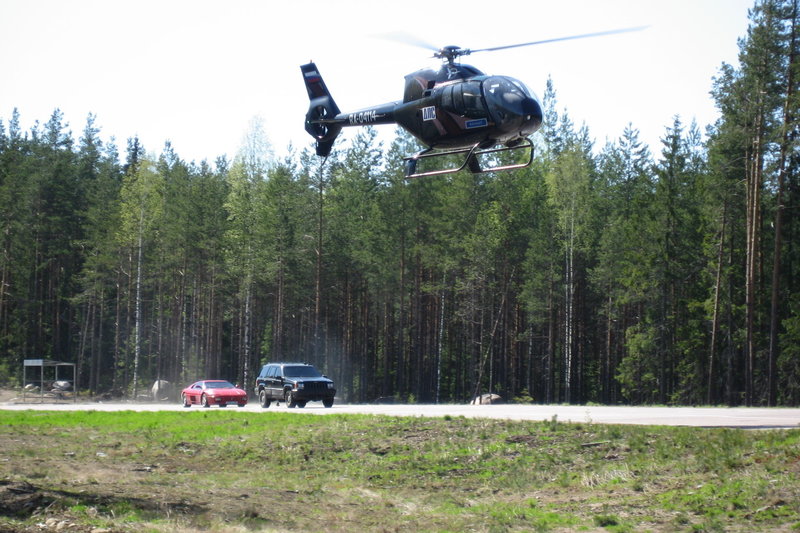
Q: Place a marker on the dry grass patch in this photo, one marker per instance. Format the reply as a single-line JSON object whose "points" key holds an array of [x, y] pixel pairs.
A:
{"points": [[235, 471]]}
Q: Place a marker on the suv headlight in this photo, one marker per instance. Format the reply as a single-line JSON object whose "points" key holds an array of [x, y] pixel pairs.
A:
{"points": [[300, 385], [330, 385]]}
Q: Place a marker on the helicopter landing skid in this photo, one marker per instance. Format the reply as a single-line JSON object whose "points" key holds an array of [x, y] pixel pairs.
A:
{"points": [[470, 161]]}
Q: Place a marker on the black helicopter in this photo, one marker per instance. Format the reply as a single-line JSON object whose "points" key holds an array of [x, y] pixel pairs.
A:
{"points": [[455, 110]]}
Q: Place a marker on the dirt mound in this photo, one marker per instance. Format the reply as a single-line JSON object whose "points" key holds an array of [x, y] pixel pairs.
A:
{"points": [[20, 499]]}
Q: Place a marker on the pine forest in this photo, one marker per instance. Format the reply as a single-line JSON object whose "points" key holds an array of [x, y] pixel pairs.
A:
{"points": [[616, 274]]}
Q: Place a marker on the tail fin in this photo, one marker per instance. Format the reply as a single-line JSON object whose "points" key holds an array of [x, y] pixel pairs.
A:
{"points": [[321, 120]]}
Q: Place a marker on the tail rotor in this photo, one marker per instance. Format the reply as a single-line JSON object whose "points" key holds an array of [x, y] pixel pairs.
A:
{"points": [[321, 119]]}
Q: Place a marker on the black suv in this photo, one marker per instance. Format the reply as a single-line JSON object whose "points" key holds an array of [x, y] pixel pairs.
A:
{"points": [[293, 383]]}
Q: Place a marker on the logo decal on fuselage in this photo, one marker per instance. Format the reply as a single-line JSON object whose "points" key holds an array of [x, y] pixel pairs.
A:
{"points": [[429, 113]]}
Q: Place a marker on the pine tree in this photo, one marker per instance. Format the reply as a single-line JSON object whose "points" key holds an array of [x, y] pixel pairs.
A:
{"points": [[757, 103], [100, 172], [625, 176]]}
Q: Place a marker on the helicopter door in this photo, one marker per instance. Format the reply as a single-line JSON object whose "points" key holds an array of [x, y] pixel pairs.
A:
{"points": [[473, 102], [464, 99]]}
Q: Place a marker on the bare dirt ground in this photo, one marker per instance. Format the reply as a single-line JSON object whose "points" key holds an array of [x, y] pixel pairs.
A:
{"points": [[98, 483], [7, 395], [64, 492]]}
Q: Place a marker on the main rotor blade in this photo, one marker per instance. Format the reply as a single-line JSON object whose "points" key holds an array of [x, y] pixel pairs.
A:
{"points": [[407, 38], [571, 37]]}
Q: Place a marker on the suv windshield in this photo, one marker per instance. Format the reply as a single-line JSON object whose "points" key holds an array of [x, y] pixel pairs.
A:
{"points": [[299, 371]]}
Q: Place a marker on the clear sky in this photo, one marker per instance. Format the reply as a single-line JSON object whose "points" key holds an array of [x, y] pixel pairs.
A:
{"points": [[196, 72]]}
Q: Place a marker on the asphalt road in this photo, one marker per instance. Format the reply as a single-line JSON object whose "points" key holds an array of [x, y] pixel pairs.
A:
{"points": [[739, 417]]}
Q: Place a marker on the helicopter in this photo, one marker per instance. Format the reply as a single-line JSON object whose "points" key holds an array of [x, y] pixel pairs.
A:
{"points": [[455, 110]]}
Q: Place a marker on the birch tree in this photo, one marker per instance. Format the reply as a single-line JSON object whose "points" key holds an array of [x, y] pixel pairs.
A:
{"points": [[141, 216]]}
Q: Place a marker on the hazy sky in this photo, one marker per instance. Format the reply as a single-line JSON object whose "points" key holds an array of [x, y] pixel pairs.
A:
{"points": [[196, 72]]}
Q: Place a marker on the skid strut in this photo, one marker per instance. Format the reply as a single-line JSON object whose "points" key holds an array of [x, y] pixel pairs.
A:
{"points": [[470, 160]]}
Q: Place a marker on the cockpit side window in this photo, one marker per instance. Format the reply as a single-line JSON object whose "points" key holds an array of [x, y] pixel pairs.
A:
{"points": [[447, 98], [473, 102], [464, 99]]}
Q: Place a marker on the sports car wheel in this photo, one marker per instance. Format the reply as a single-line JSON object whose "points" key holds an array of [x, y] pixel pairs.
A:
{"points": [[263, 399], [290, 401], [204, 401], [185, 401]]}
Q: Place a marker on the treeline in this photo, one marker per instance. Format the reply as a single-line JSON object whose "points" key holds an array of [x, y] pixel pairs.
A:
{"points": [[613, 275]]}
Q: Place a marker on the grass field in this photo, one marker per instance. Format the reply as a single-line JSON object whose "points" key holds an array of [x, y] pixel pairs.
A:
{"points": [[217, 470]]}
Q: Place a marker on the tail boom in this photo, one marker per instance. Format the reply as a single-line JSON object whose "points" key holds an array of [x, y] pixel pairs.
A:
{"points": [[324, 120]]}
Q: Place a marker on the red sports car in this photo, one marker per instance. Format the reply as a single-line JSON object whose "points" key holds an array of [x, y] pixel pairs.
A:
{"points": [[213, 391]]}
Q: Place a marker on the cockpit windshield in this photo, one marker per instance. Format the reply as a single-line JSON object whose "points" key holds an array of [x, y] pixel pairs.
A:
{"points": [[506, 93]]}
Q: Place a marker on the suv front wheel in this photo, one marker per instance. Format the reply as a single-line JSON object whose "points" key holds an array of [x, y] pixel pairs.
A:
{"points": [[290, 401]]}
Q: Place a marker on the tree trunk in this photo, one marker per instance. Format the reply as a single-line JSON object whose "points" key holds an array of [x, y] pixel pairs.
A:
{"points": [[569, 311], [608, 370], [710, 398], [440, 341], [551, 345], [753, 219], [137, 314], [277, 329], [786, 142]]}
